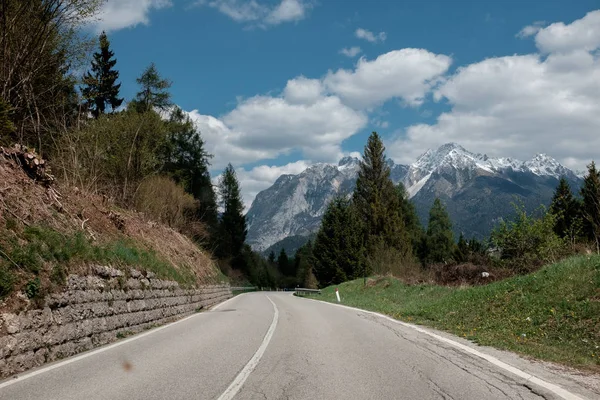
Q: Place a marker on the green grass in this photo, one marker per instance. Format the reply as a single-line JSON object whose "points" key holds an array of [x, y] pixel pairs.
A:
{"points": [[39, 250], [552, 314]]}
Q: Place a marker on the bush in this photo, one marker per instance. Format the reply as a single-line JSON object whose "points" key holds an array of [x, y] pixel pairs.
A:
{"points": [[528, 242], [162, 200], [33, 287]]}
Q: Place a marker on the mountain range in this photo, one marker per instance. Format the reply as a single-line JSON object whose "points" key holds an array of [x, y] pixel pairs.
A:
{"points": [[477, 191]]}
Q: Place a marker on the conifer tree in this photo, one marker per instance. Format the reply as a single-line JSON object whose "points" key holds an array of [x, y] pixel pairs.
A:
{"points": [[283, 262], [461, 253], [565, 208], [154, 93], [187, 162], [440, 239], [377, 202], [232, 226], [100, 88], [338, 248], [590, 193], [410, 218], [271, 257]]}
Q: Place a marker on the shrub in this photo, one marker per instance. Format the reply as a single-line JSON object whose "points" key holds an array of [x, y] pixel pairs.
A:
{"points": [[161, 199], [33, 287], [528, 242]]}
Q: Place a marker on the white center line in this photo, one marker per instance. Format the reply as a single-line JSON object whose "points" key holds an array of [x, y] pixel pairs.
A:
{"points": [[239, 380]]}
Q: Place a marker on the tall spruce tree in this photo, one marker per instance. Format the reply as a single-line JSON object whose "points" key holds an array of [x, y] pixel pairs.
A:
{"points": [[154, 93], [565, 208], [283, 263], [461, 252], [187, 162], [232, 225], [377, 202], [440, 239], [590, 193], [100, 88], [410, 218], [338, 248]]}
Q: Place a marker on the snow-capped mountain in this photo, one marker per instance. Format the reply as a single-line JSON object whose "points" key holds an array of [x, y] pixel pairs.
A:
{"points": [[477, 190]]}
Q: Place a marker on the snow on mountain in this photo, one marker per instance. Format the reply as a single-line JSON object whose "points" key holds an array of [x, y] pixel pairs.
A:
{"points": [[452, 155], [295, 204]]}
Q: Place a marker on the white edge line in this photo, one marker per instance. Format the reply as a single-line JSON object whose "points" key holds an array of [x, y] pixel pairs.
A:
{"points": [[493, 360], [239, 380], [105, 348]]}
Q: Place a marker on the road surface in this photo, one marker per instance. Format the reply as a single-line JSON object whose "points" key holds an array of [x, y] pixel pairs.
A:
{"points": [[277, 346]]}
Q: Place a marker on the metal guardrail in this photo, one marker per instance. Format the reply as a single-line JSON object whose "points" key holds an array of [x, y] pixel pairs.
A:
{"points": [[239, 288], [307, 291]]}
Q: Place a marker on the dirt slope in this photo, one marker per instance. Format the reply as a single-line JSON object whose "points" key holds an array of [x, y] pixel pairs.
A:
{"points": [[50, 230]]}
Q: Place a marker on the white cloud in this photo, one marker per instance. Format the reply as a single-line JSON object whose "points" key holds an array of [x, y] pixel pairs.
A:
{"points": [[350, 51], [222, 142], [286, 11], [119, 14], [582, 34], [317, 127], [531, 30], [262, 177], [302, 90], [517, 106], [260, 13], [407, 74], [370, 36]]}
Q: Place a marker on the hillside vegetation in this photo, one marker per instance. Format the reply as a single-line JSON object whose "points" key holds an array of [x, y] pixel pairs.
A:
{"points": [[49, 232], [552, 314]]}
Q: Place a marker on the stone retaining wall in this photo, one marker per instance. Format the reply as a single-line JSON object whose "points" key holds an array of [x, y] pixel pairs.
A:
{"points": [[96, 310]]}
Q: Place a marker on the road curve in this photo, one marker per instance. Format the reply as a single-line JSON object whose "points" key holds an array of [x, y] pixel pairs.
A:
{"points": [[276, 346]]}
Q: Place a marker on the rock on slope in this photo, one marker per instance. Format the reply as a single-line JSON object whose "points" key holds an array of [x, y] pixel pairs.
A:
{"points": [[476, 189]]}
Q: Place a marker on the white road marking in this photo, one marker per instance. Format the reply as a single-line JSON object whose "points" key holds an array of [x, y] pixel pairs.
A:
{"points": [[105, 348], [501, 364], [239, 380]]}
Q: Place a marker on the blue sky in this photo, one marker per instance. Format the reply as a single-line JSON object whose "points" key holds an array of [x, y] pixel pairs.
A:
{"points": [[276, 85]]}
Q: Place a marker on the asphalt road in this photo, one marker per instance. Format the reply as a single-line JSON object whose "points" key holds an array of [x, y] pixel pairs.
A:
{"points": [[276, 346]]}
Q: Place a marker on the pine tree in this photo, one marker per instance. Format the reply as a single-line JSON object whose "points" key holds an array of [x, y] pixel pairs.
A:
{"points": [[440, 239], [410, 218], [565, 208], [461, 252], [271, 258], [377, 202], [187, 162], [232, 226], [283, 263], [590, 193], [154, 93], [101, 90], [338, 249]]}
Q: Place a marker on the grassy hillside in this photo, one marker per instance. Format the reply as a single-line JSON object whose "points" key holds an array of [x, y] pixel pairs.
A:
{"points": [[48, 232], [552, 314]]}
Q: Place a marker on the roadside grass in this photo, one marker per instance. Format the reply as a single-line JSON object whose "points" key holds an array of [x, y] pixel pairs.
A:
{"points": [[552, 314], [41, 251]]}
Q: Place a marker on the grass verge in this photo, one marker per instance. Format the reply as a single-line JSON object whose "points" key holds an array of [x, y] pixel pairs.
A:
{"points": [[40, 251], [552, 314]]}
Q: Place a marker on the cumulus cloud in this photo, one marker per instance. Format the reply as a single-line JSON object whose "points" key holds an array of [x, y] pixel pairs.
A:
{"points": [[407, 74], [119, 14], [317, 127], [517, 106], [302, 90], [582, 34], [350, 51], [258, 12], [370, 36]]}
